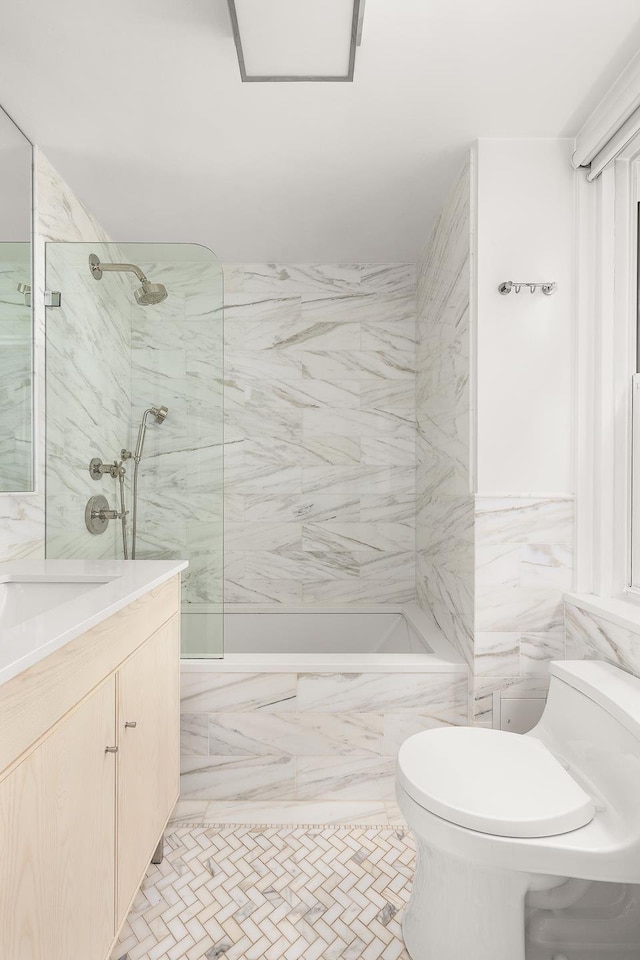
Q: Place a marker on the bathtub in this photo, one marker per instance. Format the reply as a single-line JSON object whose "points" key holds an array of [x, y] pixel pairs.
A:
{"points": [[309, 707]]}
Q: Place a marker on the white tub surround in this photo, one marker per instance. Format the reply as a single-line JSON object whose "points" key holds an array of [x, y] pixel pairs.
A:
{"points": [[44, 604], [313, 734], [319, 434], [603, 629]]}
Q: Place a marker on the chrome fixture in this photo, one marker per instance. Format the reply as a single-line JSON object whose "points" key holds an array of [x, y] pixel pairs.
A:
{"points": [[97, 469], [547, 288], [25, 290], [52, 298], [160, 415], [146, 294], [324, 35], [98, 513]]}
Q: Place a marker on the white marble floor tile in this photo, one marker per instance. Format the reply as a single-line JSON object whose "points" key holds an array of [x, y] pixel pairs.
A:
{"points": [[301, 894]]}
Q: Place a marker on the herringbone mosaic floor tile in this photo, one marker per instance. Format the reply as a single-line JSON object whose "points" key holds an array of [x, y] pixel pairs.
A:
{"points": [[278, 893]]}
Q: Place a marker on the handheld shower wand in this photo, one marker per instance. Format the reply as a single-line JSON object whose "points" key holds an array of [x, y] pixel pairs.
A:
{"points": [[160, 415]]}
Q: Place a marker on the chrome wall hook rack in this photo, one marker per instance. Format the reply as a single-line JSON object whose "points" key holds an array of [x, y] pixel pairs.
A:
{"points": [[547, 288]]}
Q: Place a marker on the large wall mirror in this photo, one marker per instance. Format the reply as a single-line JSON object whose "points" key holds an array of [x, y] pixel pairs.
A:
{"points": [[16, 364]]}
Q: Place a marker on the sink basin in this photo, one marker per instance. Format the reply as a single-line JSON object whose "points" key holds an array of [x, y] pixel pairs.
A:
{"points": [[22, 600]]}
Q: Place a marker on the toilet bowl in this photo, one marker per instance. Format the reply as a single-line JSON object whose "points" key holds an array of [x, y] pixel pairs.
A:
{"points": [[497, 815]]}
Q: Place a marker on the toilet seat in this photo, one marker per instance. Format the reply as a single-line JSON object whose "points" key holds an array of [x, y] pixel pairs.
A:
{"points": [[492, 781]]}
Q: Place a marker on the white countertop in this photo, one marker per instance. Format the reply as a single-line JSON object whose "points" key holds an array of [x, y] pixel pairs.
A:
{"points": [[28, 642]]}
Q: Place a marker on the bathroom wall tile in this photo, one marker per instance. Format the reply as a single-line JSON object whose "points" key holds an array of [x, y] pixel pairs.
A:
{"points": [[398, 727], [498, 564], [389, 451], [356, 365], [522, 609], [319, 381], [356, 778], [389, 538], [194, 735], [306, 507], [287, 592], [242, 778], [439, 695], [592, 637], [497, 654], [524, 520], [549, 565], [399, 565], [538, 649], [210, 692], [358, 591], [299, 734]]}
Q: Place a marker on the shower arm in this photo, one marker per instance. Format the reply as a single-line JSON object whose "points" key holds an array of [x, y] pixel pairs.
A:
{"points": [[122, 268]]}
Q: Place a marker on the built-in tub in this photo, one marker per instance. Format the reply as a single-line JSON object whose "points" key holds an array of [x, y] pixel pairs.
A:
{"points": [[313, 704]]}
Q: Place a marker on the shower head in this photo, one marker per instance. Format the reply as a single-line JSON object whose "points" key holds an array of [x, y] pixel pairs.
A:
{"points": [[160, 414], [150, 293], [146, 294]]}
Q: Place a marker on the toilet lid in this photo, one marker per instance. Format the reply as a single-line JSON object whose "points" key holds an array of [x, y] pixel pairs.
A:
{"points": [[493, 782]]}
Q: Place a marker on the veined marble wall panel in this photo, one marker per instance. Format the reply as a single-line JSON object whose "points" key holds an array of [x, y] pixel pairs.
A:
{"points": [[445, 514], [15, 373], [58, 216], [524, 564], [176, 361], [301, 737], [320, 433], [88, 394], [593, 637]]}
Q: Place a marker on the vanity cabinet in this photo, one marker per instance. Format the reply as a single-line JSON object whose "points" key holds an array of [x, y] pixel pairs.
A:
{"points": [[79, 823]]}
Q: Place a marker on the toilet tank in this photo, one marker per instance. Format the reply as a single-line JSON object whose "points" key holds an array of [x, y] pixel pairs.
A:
{"points": [[592, 722]]}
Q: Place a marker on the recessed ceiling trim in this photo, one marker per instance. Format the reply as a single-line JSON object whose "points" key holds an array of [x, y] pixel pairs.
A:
{"points": [[355, 40]]}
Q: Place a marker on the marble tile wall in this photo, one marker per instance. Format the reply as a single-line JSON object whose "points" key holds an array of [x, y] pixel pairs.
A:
{"points": [[176, 361], [444, 519], [88, 394], [58, 216], [319, 433], [591, 636], [523, 565], [306, 737], [15, 369]]}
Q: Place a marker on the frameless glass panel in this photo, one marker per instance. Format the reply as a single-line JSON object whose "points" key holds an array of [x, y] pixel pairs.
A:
{"points": [[134, 413], [16, 446]]}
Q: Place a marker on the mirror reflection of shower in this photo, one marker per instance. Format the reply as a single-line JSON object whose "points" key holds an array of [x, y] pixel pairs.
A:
{"points": [[159, 414], [147, 294]]}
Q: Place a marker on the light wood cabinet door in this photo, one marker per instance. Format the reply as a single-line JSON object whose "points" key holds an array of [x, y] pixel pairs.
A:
{"points": [[149, 756], [57, 842]]}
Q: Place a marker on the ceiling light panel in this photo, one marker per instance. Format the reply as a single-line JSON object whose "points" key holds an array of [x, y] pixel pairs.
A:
{"points": [[295, 39]]}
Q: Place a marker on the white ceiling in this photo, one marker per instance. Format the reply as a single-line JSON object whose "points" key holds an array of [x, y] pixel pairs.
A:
{"points": [[140, 106]]}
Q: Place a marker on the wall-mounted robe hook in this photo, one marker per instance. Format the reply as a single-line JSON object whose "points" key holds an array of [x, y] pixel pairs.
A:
{"points": [[509, 285]]}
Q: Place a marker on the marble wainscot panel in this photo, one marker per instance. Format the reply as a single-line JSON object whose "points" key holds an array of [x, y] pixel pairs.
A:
{"points": [[314, 742], [319, 433], [444, 521], [524, 565], [599, 636]]}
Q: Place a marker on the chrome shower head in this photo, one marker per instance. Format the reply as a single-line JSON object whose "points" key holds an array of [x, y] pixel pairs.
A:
{"points": [[146, 294], [160, 414], [150, 293]]}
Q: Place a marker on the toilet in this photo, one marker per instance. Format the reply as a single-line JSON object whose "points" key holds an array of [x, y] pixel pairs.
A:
{"points": [[497, 816]]}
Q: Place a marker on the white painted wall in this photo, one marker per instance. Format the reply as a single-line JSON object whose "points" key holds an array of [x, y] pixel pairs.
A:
{"points": [[524, 379]]}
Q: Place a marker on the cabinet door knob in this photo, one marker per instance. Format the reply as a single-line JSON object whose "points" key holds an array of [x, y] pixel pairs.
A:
{"points": [[110, 749], [131, 723]]}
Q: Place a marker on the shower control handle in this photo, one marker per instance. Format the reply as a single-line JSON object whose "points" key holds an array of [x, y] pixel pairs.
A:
{"points": [[98, 513]]}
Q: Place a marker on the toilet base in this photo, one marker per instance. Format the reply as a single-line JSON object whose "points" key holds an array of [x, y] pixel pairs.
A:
{"points": [[459, 910]]}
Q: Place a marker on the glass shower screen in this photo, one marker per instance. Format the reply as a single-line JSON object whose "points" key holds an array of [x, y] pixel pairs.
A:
{"points": [[139, 328]]}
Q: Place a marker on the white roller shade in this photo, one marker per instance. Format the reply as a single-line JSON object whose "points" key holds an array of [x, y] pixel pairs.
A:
{"points": [[612, 125]]}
